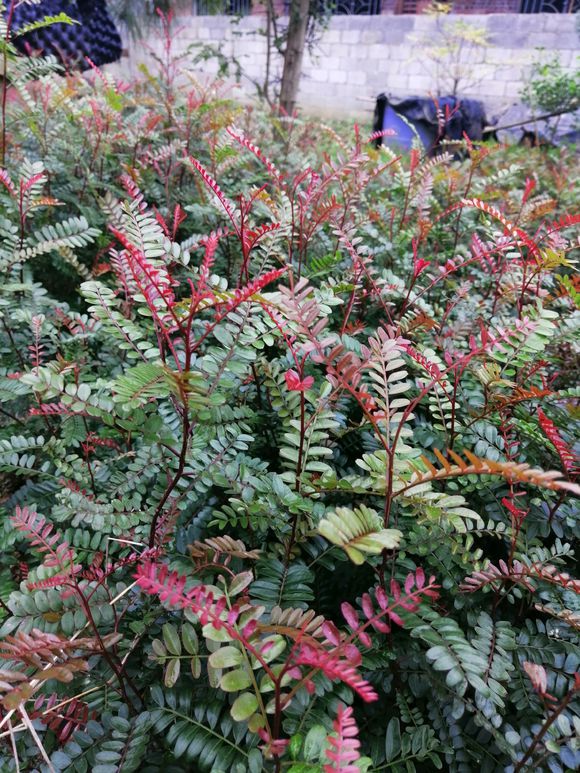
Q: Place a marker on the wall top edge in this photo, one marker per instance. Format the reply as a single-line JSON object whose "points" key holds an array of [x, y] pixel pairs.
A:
{"points": [[533, 20]]}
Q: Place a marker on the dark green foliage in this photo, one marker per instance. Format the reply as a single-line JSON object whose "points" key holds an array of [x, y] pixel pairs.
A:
{"points": [[300, 436]]}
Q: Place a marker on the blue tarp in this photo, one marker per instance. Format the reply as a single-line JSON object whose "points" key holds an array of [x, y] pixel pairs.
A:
{"points": [[447, 118]]}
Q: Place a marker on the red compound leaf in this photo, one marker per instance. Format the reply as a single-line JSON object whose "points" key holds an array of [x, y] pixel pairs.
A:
{"points": [[154, 283], [63, 718], [430, 367], [170, 587], [252, 288], [134, 192], [39, 647], [217, 191], [53, 409], [518, 234], [343, 743], [6, 181], [380, 619], [251, 238], [567, 456], [211, 246], [296, 384], [564, 222], [26, 185], [380, 134], [518, 574], [245, 142], [272, 747], [336, 668], [41, 536]]}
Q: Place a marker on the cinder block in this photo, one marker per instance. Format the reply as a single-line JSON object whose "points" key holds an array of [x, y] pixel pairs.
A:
{"points": [[388, 82], [342, 51], [496, 22], [308, 86], [512, 89], [517, 58], [512, 38], [548, 40], [418, 67], [374, 69], [337, 76], [473, 56], [249, 23], [227, 30], [343, 22], [318, 75], [375, 51], [492, 89], [497, 55], [323, 50], [570, 59], [323, 100], [332, 63], [350, 36], [398, 53], [356, 77], [359, 52], [344, 93], [421, 84], [559, 23], [216, 22], [331, 37], [369, 36], [567, 41], [396, 35]]}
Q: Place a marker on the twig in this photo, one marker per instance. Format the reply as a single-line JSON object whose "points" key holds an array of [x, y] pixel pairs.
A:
{"points": [[530, 120]]}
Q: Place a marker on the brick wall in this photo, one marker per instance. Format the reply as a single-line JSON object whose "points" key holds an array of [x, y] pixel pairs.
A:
{"points": [[360, 56]]}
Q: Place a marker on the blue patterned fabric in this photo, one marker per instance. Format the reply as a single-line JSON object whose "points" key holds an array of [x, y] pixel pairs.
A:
{"points": [[95, 37]]}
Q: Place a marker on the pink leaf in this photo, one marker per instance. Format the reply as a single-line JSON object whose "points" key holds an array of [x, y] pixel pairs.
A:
{"points": [[335, 667], [367, 606], [537, 675], [420, 578], [343, 744], [295, 383], [419, 266], [382, 598], [349, 615], [331, 632]]}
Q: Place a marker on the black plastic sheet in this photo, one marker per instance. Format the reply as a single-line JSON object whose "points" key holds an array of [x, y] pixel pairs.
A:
{"points": [[433, 121], [95, 37]]}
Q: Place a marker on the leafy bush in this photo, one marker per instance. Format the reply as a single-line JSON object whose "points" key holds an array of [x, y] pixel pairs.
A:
{"points": [[553, 91], [294, 455], [551, 88]]}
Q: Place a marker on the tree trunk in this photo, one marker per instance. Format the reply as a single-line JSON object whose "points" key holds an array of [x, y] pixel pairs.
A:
{"points": [[297, 27]]}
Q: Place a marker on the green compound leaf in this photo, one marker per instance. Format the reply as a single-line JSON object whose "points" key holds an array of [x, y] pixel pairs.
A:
{"points": [[225, 657], [234, 681], [357, 532], [244, 706], [171, 639]]}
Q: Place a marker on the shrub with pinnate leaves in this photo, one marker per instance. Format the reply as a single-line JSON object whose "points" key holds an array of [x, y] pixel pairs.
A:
{"points": [[287, 445]]}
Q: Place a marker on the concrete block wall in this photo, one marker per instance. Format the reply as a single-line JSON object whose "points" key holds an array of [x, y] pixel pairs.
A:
{"points": [[357, 57]]}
